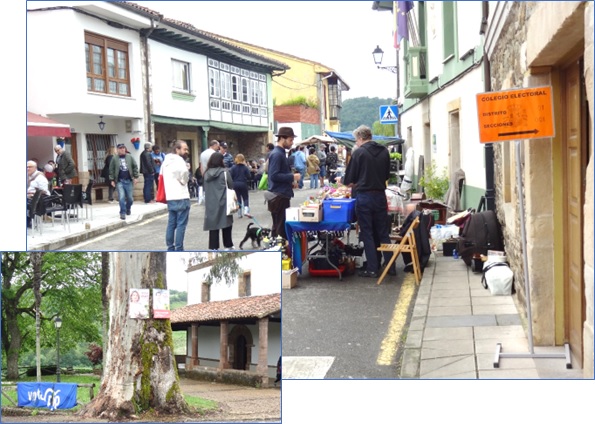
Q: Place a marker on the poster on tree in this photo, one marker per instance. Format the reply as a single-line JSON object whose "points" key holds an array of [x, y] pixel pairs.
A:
{"points": [[139, 303], [161, 304]]}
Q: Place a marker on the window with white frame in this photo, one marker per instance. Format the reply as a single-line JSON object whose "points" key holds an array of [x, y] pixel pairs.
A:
{"points": [[214, 83], [108, 69], [235, 89], [225, 86], [180, 76]]}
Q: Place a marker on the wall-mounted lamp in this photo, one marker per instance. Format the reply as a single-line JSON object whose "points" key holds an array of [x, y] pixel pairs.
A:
{"points": [[377, 54], [101, 123]]}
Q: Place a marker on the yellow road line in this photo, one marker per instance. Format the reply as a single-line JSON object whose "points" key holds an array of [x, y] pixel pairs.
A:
{"points": [[388, 347]]}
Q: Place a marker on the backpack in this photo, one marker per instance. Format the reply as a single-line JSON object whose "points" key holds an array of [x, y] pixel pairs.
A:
{"points": [[481, 233]]}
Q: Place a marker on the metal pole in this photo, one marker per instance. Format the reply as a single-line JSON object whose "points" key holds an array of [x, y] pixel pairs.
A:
{"points": [[521, 200], [58, 359], [531, 354]]}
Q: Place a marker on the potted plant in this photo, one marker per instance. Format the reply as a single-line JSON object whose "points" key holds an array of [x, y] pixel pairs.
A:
{"points": [[435, 185]]}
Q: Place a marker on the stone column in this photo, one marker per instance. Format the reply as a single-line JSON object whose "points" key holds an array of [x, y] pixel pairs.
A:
{"points": [[223, 361], [263, 347], [194, 361]]}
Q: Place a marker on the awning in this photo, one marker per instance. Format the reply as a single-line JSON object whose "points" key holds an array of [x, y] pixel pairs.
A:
{"points": [[38, 125], [347, 139]]}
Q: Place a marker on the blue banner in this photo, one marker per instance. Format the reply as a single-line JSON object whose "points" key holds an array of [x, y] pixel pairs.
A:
{"points": [[47, 395]]}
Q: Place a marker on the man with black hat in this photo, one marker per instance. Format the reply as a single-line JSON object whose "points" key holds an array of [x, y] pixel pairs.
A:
{"points": [[281, 181], [123, 174]]}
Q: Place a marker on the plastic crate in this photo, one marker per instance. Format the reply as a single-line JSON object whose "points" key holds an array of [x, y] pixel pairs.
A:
{"points": [[325, 272], [338, 210]]}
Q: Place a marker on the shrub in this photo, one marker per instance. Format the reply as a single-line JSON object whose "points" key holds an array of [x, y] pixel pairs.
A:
{"points": [[95, 354], [435, 186]]}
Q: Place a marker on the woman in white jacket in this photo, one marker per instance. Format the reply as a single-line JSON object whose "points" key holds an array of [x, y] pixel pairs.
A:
{"points": [[175, 182]]}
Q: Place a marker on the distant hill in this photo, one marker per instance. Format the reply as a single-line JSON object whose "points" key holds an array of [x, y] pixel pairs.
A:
{"points": [[361, 111]]}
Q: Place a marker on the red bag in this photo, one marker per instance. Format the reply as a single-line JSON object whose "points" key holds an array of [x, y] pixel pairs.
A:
{"points": [[160, 197]]}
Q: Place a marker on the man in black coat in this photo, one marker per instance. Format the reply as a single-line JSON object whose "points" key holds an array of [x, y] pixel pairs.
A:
{"points": [[147, 168]]}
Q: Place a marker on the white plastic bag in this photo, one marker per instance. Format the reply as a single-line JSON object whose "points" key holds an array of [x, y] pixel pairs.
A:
{"points": [[498, 278]]}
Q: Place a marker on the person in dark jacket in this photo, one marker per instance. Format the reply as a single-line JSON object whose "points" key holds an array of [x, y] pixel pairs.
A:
{"points": [[281, 182], [65, 164], [367, 174], [147, 168], [240, 174], [123, 174], [216, 180]]}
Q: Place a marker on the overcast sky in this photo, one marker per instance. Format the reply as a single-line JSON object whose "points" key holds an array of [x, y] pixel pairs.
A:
{"points": [[340, 35]]}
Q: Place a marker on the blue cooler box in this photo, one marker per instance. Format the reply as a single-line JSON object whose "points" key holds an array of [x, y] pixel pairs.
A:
{"points": [[338, 210]]}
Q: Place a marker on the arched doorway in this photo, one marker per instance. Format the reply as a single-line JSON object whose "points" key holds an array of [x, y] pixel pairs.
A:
{"points": [[240, 344]]}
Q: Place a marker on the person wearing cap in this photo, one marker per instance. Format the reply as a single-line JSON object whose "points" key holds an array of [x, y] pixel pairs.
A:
{"points": [[175, 182], [148, 170], [65, 165], [123, 174], [227, 157], [281, 181]]}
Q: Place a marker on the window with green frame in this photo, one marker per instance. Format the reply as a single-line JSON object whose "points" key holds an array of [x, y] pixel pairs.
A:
{"points": [[449, 28]]}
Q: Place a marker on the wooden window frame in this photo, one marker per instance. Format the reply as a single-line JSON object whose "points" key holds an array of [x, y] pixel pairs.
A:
{"points": [[106, 43]]}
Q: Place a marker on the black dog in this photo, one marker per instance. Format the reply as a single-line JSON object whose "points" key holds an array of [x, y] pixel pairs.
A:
{"points": [[255, 234]]}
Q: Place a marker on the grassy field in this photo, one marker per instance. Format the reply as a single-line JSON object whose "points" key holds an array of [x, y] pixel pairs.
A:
{"points": [[83, 395]]}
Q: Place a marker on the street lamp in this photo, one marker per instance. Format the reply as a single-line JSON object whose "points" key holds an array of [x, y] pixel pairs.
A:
{"points": [[377, 54], [58, 324], [101, 123]]}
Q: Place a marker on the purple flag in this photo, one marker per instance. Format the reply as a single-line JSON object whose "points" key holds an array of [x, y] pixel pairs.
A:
{"points": [[402, 8]]}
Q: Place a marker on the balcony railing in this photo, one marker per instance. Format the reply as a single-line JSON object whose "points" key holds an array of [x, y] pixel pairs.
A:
{"points": [[416, 78]]}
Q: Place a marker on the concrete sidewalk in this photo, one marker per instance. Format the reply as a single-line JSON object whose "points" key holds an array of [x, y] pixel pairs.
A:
{"points": [[106, 218], [456, 325]]}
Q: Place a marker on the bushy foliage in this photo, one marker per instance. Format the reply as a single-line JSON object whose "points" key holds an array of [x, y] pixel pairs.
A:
{"points": [[95, 354], [300, 101], [435, 186]]}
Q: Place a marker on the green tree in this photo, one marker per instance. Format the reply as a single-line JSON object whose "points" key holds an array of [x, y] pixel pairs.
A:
{"points": [[386, 130], [69, 285], [361, 111]]}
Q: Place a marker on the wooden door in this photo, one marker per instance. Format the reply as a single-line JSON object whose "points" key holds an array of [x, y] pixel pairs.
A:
{"points": [[575, 155]]}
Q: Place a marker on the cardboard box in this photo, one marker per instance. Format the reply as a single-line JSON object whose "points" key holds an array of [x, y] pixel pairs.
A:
{"points": [[292, 214], [310, 214], [339, 210], [289, 279]]}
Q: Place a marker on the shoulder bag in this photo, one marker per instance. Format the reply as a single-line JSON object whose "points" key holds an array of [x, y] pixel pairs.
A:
{"points": [[231, 198]]}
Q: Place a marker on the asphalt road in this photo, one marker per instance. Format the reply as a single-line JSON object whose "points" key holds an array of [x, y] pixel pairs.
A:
{"points": [[149, 234], [349, 329]]}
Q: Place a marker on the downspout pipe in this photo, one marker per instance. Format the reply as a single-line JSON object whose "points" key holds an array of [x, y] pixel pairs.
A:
{"points": [[145, 33], [490, 194]]}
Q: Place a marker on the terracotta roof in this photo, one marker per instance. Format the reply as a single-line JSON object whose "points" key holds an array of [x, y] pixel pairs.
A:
{"points": [[243, 307]]}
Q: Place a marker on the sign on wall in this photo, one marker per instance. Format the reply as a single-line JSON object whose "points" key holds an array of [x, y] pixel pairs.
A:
{"points": [[139, 303], [161, 304], [515, 114]]}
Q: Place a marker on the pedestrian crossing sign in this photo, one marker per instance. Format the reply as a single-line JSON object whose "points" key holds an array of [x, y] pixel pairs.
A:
{"points": [[389, 114]]}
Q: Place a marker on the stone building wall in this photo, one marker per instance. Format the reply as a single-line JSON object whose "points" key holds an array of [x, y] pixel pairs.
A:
{"points": [[542, 44]]}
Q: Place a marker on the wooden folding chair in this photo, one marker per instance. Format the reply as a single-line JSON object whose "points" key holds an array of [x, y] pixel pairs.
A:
{"points": [[408, 245]]}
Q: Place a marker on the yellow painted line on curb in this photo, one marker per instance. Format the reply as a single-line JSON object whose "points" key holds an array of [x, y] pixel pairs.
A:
{"points": [[388, 347]]}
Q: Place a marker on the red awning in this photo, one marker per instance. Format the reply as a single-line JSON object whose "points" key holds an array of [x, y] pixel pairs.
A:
{"points": [[38, 125]]}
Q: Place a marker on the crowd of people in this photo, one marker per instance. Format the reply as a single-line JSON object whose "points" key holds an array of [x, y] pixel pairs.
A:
{"points": [[285, 166]]}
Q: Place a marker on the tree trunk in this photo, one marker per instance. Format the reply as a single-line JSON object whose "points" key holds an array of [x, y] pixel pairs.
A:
{"points": [[140, 371], [104, 299], [36, 258], [12, 356]]}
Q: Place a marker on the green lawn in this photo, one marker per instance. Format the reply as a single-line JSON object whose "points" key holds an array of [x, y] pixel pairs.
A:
{"points": [[83, 396]]}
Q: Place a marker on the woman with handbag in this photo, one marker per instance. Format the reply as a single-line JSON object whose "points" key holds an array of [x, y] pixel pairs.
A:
{"points": [[217, 181]]}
